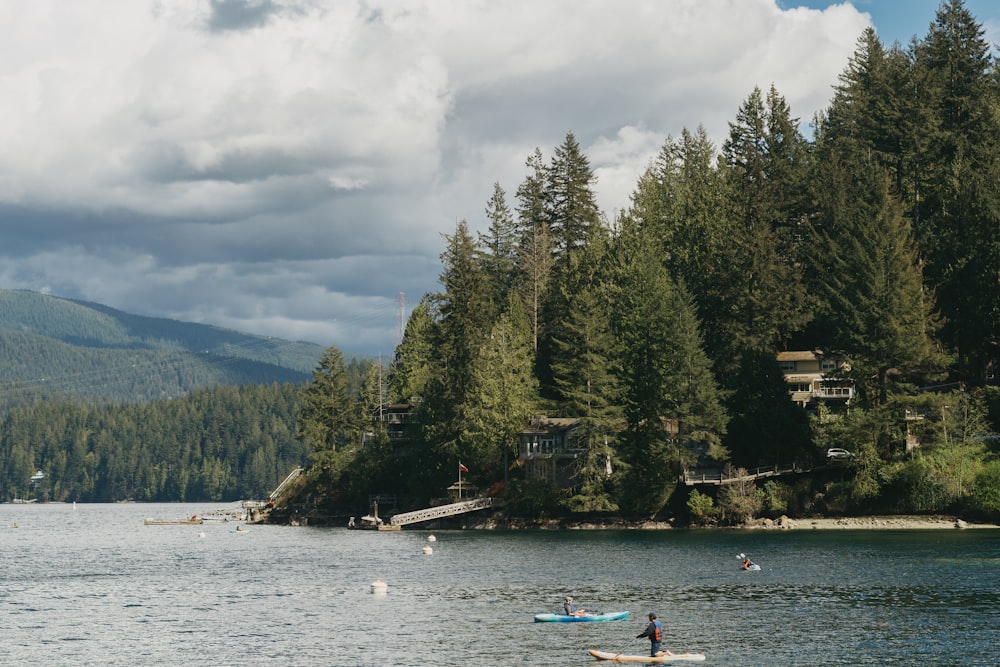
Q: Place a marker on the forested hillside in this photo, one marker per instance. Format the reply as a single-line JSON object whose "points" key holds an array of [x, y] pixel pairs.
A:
{"points": [[58, 349], [875, 239], [220, 444]]}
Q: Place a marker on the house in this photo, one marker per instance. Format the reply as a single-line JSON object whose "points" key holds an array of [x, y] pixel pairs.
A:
{"points": [[548, 450], [398, 420], [815, 379]]}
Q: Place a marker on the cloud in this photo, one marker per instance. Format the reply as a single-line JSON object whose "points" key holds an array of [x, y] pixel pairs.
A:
{"points": [[288, 167], [239, 14]]}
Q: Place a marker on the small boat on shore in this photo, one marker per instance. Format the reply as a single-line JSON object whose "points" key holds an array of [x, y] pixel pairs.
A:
{"points": [[172, 522]]}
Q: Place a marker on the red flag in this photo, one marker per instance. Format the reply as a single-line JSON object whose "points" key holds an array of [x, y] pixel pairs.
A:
{"points": [[462, 468]]}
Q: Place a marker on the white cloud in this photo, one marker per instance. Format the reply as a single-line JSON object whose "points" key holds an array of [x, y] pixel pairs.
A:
{"points": [[225, 161]]}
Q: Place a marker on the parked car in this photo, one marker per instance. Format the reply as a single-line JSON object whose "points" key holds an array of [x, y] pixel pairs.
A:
{"points": [[838, 454]]}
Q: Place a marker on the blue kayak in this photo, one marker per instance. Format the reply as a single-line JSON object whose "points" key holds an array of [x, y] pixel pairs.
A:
{"points": [[592, 618]]}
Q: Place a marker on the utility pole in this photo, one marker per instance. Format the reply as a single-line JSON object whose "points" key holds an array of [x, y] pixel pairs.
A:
{"points": [[402, 314]]}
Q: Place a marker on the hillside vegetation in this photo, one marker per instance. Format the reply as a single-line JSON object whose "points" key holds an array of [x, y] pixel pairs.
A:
{"points": [[213, 444], [57, 349]]}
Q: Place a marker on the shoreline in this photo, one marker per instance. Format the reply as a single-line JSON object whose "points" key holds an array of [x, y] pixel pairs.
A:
{"points": [[875, 522], [883, 522]]}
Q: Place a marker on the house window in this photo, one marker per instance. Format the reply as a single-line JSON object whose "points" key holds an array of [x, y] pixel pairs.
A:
{"points": [[786, 366], [828, 365], [541, 445]]}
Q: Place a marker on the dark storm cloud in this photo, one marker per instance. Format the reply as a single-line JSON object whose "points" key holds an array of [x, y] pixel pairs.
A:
{"points": [[239, 14]]}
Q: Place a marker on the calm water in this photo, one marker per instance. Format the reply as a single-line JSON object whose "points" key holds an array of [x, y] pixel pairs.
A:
{"points": [[94, 585]]}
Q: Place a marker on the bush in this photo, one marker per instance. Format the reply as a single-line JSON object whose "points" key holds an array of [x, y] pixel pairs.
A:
{"points": [[986, 496], [702, 508], [913, 489]]}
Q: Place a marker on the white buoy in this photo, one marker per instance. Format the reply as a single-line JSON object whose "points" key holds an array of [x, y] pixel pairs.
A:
{"points": [[201, 534], [431, 538], [379, 587], [428, 550]]}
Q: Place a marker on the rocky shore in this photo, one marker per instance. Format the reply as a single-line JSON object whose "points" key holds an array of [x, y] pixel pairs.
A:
{"points": [[900, 522], [870, 523]]}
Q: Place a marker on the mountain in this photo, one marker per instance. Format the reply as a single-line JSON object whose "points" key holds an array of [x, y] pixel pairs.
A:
{"points": [[57, 348]]}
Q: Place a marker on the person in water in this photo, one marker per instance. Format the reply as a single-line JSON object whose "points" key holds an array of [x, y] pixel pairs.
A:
{"points": [[570, 610], [747, 563], [655, 633]]}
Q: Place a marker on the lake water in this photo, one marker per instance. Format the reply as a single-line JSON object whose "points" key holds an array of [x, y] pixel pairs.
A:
{"points": [[92, 585]]}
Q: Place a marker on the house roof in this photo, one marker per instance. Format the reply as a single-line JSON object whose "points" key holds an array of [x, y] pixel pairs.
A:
{"points": [[799, 355], [550, 424]]}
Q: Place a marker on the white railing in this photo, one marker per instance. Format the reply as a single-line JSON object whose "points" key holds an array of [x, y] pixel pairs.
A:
{"points": [[288, 480], [833, 392], [441, 511]]}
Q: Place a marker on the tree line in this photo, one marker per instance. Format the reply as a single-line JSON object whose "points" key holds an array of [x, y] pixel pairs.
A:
{"points": [[215, 444], [875, 240]]}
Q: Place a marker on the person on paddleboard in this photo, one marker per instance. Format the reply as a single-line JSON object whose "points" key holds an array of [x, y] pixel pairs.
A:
{"points": [[655, 633], [570, 610]]}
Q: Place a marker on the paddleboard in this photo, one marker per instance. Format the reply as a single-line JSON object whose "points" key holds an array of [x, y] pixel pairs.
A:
{"points": [[621, 657], [593, 618]]}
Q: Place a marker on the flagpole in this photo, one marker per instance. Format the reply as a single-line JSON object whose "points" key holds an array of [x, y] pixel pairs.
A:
{"points": [[459, 480]]}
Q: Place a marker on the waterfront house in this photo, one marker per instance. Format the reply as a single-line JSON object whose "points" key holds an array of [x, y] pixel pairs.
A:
{"points": [[398, 420], [816, 380], [548, 450]]}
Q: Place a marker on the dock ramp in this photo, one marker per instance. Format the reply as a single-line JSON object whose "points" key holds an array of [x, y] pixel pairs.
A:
{"points": [[284, 485], [441, 511]]}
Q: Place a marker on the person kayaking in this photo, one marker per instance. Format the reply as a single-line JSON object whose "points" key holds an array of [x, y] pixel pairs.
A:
{"points": [[570, 610], [655, 633], [747, 564]]}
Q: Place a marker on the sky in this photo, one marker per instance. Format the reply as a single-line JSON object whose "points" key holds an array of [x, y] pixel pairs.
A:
{"points": [[290, 168]]}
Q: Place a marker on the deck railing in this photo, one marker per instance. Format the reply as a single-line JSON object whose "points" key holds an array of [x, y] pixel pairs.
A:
{"points": [[720, 477]]}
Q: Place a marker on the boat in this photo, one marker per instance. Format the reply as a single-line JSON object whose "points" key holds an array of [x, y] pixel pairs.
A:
{"points": [[753, 567], [592, 618], [621, 657], [172, 522], [240, 530]]}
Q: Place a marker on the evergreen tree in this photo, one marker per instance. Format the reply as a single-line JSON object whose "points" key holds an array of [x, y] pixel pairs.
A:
{"points": [[586, 370], [959, 210], [571, 206], [500, 245], [865, 269], [327, 418], [759, 300], [413, 364], [679, 203], [503, 393], [534, 251], [670, 400], [877, 113], [574, 220], [464, 317]]}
